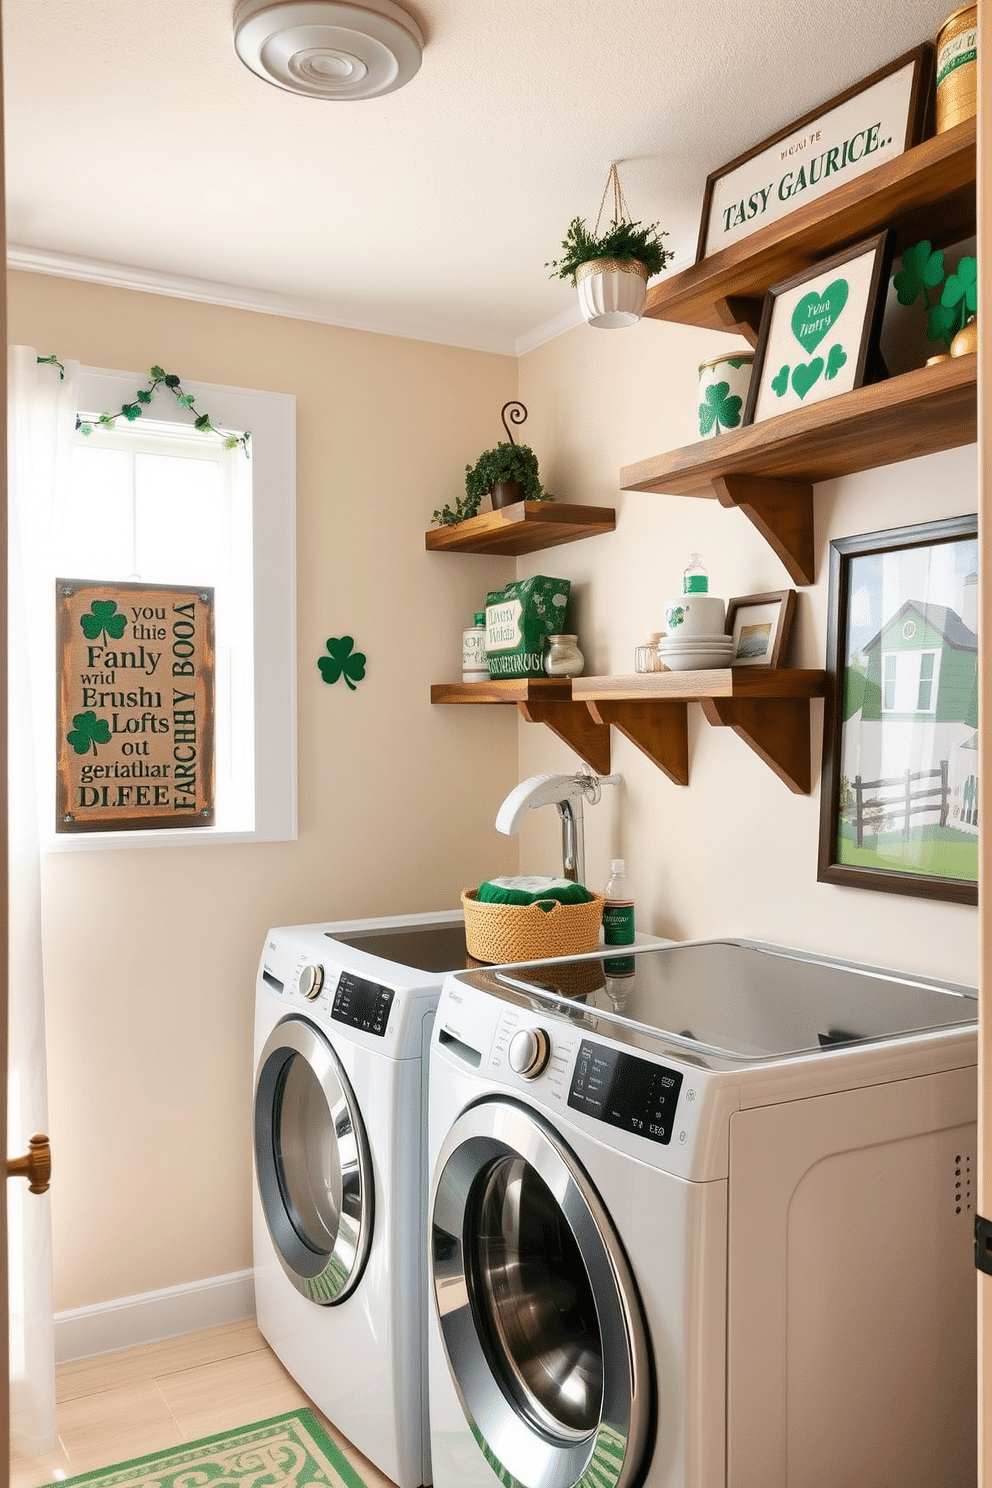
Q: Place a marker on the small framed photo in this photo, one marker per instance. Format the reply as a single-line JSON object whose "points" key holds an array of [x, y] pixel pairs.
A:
{"points": [[761, 625], [899, 808], [819, 330]]}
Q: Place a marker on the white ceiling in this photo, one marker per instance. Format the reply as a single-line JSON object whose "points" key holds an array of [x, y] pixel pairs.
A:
{"points": [[140, 150]]}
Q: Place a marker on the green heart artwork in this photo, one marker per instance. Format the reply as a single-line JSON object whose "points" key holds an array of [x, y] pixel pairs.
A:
{"points": [[817, 312], [805, 375]]}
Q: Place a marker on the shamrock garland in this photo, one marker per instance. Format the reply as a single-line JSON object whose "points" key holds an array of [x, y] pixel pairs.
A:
{"points": [[158, 377], [922, 273]]}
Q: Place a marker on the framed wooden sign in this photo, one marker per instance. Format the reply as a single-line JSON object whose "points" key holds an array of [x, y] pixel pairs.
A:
{"points": [[135, 706], [877, 119], [819, 330]]}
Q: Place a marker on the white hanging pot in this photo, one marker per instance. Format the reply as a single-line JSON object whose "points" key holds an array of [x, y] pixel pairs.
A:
{"points": [[612, 291]]}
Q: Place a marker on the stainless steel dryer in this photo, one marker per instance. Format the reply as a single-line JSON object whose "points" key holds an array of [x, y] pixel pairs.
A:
{"points": [[708, 1222]]}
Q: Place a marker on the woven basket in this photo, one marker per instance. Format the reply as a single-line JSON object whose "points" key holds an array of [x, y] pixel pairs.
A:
{"points": [[526, 932]]}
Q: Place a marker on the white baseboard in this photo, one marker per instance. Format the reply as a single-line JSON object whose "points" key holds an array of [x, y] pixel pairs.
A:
{"points": [[130, 1321]]}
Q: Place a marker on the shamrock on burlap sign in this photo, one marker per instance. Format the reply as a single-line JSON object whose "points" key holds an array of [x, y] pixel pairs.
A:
{"points": [[817, 329]]}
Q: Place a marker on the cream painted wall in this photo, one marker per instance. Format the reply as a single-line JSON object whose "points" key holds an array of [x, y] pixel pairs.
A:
{"points": [[151, 953], [736, 851]]}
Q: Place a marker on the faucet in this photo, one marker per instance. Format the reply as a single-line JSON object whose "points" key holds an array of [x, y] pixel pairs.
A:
{"points": [[567, 792]]}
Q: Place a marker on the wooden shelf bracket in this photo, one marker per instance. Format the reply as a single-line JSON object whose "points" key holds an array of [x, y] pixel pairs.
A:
{"points": [[575, 727], [777, 729], [741, 313], [660, 729], [782, 511]]}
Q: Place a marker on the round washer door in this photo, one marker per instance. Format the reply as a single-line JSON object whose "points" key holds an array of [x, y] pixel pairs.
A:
{"points": [[538, 1312], [312, 1163]]}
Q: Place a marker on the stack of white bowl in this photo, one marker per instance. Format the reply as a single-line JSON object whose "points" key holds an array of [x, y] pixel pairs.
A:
{"points": [[696, 653], [695, 640]]}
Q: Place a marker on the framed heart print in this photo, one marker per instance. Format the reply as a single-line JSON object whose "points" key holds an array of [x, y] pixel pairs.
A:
{"points": [[819, 331]]}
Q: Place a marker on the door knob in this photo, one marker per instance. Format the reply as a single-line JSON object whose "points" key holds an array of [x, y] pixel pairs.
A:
{"points": [[35, 1166]]}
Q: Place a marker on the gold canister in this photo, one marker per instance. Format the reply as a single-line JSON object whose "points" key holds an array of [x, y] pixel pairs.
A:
{"points": [[957, 68]]}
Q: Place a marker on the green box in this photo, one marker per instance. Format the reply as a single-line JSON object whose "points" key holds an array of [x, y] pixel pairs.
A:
{"points": [[519, 620]]}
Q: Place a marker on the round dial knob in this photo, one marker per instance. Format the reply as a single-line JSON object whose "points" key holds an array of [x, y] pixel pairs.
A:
{"points": [[529, 1051], [311, 981]]}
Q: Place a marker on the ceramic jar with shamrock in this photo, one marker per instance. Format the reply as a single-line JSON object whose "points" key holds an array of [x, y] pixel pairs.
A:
{"points": [[723, 384]]}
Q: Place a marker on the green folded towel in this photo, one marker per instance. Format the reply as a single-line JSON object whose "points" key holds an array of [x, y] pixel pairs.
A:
{"points": [[531, 890]]}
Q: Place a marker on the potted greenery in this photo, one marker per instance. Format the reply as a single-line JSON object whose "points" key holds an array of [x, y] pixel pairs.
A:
{"points": [[508, 473], [611, 269]]}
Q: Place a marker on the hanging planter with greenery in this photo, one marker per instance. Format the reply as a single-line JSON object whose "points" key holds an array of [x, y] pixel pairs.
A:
{"points": [[611, 269]]}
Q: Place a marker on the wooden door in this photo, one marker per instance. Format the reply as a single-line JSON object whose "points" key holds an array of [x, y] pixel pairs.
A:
{"points": [[985, 768], [4, 1372]]}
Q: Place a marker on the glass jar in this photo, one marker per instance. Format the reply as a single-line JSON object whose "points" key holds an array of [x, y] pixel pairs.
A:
{"points": [[646, 657], [563, 657]]}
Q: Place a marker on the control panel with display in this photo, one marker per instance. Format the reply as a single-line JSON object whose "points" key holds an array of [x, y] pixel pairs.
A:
{"points": [[624, 1091], [362, 1004]]}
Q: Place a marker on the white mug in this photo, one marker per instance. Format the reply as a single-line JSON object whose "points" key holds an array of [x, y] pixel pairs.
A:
{"points": [[695, 614]]}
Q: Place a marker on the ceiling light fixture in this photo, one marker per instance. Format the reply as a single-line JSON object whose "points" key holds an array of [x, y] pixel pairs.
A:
{"points": [[324, 49]]}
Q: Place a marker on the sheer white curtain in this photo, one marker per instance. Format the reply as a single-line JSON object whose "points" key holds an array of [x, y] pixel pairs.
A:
{"points": [[42, 414]]}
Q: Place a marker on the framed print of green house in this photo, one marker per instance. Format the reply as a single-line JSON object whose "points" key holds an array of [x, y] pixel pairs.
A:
{"points": [[899, 796]]}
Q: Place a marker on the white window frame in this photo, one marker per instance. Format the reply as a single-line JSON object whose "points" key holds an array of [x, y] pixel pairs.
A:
{"points": [[271, 420], [908, 666]]}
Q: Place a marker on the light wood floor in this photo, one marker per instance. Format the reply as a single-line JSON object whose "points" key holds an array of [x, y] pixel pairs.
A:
{"points": [[124, 1405]]}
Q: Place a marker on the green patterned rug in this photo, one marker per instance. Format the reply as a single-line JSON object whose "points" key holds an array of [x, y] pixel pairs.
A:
{"points": [[290, 1451]]}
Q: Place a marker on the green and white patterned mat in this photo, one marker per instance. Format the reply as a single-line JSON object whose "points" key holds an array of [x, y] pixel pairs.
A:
{"points": [[290, 1451]]}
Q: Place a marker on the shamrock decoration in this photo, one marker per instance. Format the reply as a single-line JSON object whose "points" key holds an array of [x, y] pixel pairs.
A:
{"points": [[88, 732], [720, 409], [922, 273], [103, 621], [836, 357], [342, 661], [157, 377]]}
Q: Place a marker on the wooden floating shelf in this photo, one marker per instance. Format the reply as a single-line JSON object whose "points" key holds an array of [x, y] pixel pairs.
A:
{"points": [[693, 686], [769, 469], [917, 413], [927, 192], [525, 527], [512, 690], [768, 708]]}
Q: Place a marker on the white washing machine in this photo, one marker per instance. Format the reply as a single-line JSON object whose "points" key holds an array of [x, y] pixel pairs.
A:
{"points": [[706, 1223], [343, 1016]]}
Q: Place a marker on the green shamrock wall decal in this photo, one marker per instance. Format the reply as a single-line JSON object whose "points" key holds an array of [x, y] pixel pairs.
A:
{"points": [[103, 620], [342, 661], [88, 732], [720, 409]]}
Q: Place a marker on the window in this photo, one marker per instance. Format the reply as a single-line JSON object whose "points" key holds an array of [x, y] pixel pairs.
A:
{"points": [[909, 681], [156, 501]]}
